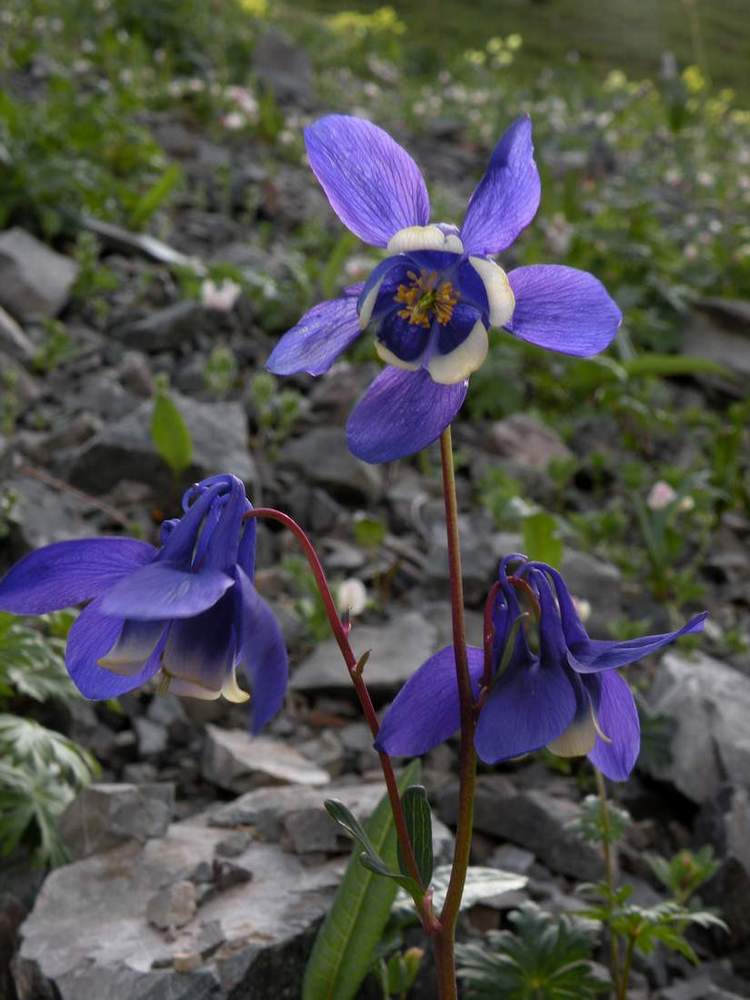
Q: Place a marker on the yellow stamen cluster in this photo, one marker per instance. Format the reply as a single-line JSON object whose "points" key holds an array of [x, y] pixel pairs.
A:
{"points": [[425, 299]]}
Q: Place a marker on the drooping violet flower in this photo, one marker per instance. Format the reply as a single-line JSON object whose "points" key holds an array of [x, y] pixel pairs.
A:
{"points": [[431, 302], [563, 692], [187, 610]]}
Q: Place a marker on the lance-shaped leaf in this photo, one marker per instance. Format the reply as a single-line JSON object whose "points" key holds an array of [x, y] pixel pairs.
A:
{"points": [[170, 434], [345, 944], [419, 825]]}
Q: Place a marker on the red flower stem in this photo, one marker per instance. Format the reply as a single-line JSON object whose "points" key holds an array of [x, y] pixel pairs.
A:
{"points": [[445, 941], [341, 634]]}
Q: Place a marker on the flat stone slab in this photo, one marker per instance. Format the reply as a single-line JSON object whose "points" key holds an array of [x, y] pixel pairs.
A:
{"points": [[234, 760], [398, 648]]}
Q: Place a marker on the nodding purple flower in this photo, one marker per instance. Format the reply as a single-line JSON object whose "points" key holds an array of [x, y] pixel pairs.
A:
{"points": [[559, 689], [432, 301], [187, 611]]}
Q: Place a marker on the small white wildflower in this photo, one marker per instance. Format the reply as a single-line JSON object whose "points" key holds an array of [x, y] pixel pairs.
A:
{"points": [[220, 298], [661, 496], [351, 597], [582, 606]]}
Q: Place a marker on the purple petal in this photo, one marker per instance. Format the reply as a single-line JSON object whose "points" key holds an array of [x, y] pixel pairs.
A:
{"points": [[92, 636], [180, 543], [528, 708], [400, 413], [562, 309], [317, 340], [161, 591], [201, 649], [263, 652], [373, 184], [67, 573], [600, 654], [426, 710], [618, 720], [507, 197]]}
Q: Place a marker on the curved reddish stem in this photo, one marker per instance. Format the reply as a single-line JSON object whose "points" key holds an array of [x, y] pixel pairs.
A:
{"points": [[341, 634]]}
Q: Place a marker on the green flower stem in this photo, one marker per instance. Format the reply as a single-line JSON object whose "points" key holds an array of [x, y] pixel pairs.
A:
{"points": [[341, 634], [445, 939], [610, 867]]}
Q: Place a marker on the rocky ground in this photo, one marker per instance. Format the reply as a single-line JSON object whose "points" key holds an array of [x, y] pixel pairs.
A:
{"points": [[203, 861]]}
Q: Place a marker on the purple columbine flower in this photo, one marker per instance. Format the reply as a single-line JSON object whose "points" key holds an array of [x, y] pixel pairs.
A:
{"points": [[431, 302], [563, 692], [187, 610]]}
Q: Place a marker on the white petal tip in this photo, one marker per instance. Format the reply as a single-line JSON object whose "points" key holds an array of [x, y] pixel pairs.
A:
{"points": [[424, 238], [391, 359], [500, 295], [448, 369]]}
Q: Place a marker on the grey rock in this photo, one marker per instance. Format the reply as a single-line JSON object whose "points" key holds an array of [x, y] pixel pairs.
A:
{"points": [[323, 458], [103, 816], [599, 583], [283, 68], [233, 844], [479, 557], [510, 858], [527, 441], [710, 705], [700, 987], [88, 936], [135, 374], [168, 328], [720, 331], [535, 820], [13, 340], [173, 906], [34, 280], [43, 514], [152, 737], [398, 648], [124, 449], [234, 760]]}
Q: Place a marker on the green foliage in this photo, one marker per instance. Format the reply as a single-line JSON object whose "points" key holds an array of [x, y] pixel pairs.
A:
{"points": [[543, 958], [276, 409], [345, 945], [642, 928], [40, 769], [419, 824], [169, 432], [598, 826], [683, 874], [369, 531], [541, 538], [397, 973], [221, 371], [308, 603], [32, 663]]}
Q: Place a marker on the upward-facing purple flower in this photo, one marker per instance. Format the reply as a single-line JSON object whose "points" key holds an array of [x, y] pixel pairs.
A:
{"points": [[187, 610], [563, 692], [431, 302]]}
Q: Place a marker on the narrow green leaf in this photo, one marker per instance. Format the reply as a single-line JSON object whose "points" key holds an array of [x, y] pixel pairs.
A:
{"points": [[344, 948], [156, 195], [419, 824], [170, 435], [541, 539]]}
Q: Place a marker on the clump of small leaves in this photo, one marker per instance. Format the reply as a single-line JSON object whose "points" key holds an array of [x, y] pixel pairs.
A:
{"points": [[40, 769], [276, 410], [638, 929], [542, 958], [685, 872]]}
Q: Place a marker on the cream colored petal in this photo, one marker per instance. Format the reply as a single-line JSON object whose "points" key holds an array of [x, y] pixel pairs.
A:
{"points": [[577, 740], [365, 313], [391, 359], [447, 369], [187, 689], [499, 293], [232, 691], [424, 238]]}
